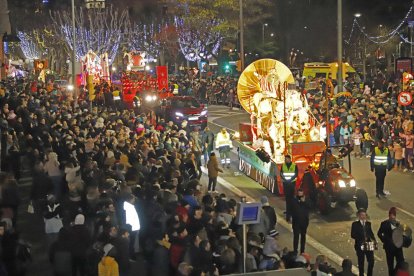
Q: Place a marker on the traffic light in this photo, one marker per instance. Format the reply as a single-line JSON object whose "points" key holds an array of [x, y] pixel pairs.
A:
{"points": [[238, 66], [227, 67]]}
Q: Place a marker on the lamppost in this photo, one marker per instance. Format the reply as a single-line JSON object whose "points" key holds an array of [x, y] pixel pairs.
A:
{"points": [[364, 52], [75, 93], [263, 32], [241, 37], [339, 40]]}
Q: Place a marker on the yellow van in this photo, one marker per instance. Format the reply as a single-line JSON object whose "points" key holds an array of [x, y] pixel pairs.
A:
{"points": [[323, 70]]}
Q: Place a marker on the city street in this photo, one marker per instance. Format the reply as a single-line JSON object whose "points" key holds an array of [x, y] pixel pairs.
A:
{"points": [[331, 231]]}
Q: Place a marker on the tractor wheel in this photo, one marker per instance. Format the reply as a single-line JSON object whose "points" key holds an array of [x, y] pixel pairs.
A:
{"points": [[361, 201], [323, 202]]}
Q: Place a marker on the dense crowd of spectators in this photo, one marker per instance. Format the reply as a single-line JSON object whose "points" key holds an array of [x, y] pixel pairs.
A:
{"points": [[90, 166]]}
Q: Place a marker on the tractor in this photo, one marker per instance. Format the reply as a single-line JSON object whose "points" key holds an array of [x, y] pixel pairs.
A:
{"points": [[327, 183]]}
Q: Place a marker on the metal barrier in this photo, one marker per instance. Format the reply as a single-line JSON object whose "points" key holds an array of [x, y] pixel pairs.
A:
{"points": [[286, 272]]}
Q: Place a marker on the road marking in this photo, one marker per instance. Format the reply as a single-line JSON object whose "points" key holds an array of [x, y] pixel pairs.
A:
{"points": [[311, 241], [406, 212]]}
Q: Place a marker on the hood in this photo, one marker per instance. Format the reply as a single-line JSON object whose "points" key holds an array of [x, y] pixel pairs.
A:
{"points": [[108, 261]]}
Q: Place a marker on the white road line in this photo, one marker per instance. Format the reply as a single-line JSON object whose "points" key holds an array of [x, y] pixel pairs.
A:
{"points": [[311, 241], [406, 212]]}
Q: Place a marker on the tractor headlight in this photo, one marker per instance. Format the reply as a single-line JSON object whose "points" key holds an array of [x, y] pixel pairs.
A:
{"points": [[341, 183], [179, 114], [352, 183]]}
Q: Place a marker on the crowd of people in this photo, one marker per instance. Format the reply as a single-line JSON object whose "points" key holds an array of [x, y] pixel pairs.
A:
{"points": [[90, 165]]}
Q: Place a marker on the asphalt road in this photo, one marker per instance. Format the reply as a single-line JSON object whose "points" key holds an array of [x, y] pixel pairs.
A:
{"points": [[331, 232]]}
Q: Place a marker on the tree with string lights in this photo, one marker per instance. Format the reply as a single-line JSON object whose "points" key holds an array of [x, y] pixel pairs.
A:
{"points": [[29, 46], [98, 30], [142, 38], [198, 41]]}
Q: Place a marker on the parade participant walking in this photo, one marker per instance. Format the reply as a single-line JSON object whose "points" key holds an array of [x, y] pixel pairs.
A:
{"points": [[224, 145], [361, 232], [213, 170], [289, 174], [300, 221], [380, 162], [385, 234]]}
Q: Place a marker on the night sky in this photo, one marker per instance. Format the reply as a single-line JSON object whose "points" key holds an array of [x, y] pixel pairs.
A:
{"points": [[308, 25]]}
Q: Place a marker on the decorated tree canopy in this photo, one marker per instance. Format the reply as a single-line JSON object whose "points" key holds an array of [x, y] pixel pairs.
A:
{"points": [[97, 30], [31, 50], [198, 42]]}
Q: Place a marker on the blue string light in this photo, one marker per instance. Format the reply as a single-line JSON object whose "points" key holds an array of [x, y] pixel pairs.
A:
{"points": [[29, 48], [381, 39], [198, 43]]}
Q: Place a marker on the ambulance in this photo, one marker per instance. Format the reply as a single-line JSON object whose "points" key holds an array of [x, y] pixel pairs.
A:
{"points": [[320, 70]]}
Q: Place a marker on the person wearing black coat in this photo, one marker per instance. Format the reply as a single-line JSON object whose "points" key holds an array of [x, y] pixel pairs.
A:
{"points": [[60, 254], [300, 221], [80, 240], [122, 248], [361, 232], [385, 234]]}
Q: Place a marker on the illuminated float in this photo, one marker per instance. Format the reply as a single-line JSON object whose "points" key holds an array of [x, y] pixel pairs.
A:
{"points": [[281, 123]]}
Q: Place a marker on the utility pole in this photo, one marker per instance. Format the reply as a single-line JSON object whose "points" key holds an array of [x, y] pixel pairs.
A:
{"points": [[241, 36], [75, 89], [339, 26]]}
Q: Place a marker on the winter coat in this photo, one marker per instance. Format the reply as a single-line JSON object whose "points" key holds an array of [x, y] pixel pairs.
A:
{"points": [[61, 258], [270, 213], [300, 214], [177, 251], [108, 267], [160, 261], [122, 258], [81, 240], [213, 167]]}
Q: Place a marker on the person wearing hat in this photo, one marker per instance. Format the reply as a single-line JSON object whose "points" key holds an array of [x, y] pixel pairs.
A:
{"points": [[380, 163], [269, 212], [361, 232], [289, 174], [385, 235]]}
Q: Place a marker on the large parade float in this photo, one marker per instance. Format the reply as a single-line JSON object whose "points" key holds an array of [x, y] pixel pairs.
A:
{"points": [[281, 123]]}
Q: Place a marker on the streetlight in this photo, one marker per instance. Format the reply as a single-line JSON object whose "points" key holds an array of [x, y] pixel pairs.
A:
{"points": [[272, 34], [263, 32], [364, 53], [74, 52]]}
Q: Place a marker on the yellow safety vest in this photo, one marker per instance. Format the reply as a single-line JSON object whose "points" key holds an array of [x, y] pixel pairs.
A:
{"points": [[381, 158], [175, 91], [289, 173]]}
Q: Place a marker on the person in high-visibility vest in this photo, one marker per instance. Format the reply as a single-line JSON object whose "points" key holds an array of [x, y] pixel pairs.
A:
{"points": [[224, 145], [289, 174], [380, 163]]}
